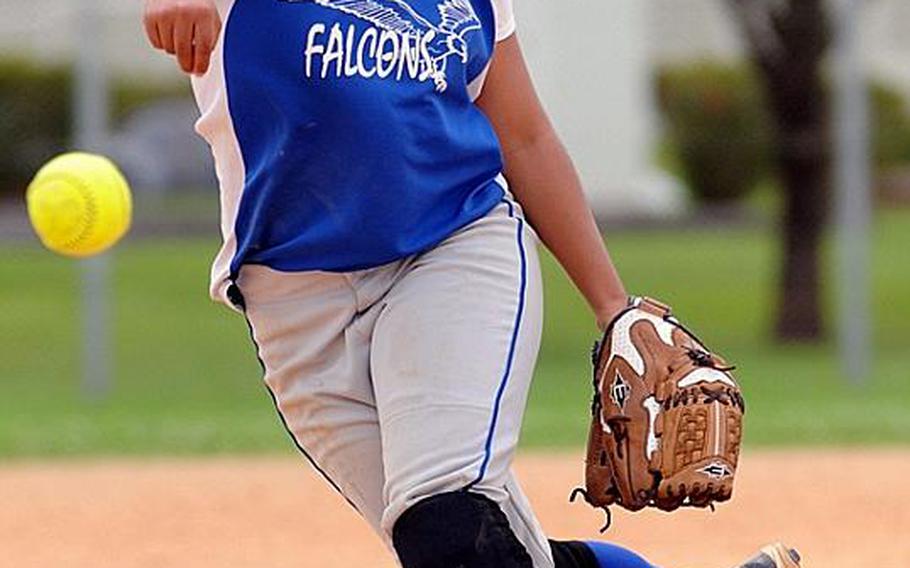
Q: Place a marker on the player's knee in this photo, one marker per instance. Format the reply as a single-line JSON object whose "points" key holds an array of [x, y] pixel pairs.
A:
{"points": [[455, 530]]}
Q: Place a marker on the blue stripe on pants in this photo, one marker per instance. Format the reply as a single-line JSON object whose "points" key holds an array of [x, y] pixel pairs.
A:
{"points": [[488, 446]]}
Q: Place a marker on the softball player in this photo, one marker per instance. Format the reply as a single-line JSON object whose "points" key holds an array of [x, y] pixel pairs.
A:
{"points": [[386, 174]]}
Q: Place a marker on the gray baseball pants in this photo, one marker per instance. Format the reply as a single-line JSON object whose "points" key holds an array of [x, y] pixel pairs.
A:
{"points": [[410, 379]]}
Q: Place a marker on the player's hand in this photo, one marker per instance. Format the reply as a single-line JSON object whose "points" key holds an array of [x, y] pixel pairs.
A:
{"points": [[187, 29]]}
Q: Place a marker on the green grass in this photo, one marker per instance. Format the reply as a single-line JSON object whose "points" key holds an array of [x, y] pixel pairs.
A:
{"points": [[187, 380]]}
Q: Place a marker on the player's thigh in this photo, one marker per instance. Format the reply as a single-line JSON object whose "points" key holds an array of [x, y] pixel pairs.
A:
{"points": [[452, 360], [316, 361]]}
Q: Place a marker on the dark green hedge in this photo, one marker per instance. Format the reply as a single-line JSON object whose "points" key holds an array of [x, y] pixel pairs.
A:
{"points": [[717, 126], [891, 127], [36, 115], [719, 131], [34, 119]]}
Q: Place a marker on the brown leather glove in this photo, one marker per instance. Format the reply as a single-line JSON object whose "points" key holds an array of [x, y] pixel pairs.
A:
{"points": [[667, 416]]}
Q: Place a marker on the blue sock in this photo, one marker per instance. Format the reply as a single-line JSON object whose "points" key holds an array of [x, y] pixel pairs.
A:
{"points": [[612, 556]]}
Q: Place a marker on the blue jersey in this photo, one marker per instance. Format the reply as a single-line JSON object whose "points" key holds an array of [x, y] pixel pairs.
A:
{"points": [[345, 132]]}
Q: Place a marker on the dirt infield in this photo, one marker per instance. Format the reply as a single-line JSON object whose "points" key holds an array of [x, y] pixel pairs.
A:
{"points": [[846, 509]]}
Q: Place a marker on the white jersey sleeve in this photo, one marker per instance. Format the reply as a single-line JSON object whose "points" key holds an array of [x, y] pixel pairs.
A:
{"points": [[505, 18]]}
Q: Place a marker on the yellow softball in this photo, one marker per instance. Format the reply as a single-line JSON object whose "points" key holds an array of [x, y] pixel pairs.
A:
{"points": [[79, 204]]}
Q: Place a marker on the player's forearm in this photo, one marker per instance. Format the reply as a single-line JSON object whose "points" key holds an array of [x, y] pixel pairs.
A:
{"points": [[544, 180]]}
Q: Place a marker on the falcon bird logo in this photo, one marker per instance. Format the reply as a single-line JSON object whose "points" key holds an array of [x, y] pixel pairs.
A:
{"points": [[439, 41]]}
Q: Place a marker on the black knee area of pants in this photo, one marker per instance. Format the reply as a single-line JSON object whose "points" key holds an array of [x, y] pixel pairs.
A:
{"points": [[457, 530], [572, 554]]}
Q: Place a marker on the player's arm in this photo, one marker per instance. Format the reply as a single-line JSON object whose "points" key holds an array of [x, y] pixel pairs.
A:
{"points": [[187, 29], [542, 177]]}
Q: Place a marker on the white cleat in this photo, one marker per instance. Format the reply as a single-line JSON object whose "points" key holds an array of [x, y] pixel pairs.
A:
{"points": [[774, 556]]}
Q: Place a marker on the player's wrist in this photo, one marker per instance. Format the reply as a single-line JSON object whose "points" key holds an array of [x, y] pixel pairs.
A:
{"points": [[607, 310]]}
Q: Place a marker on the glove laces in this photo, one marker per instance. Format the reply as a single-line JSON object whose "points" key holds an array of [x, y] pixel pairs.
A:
{"points": [[702, 358]]}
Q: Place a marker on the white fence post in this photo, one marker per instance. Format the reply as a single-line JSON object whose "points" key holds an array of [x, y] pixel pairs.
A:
{"points": [[91, 108]]}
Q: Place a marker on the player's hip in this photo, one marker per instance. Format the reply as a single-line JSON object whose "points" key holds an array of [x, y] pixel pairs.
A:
{"points": [[489, 251]]}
